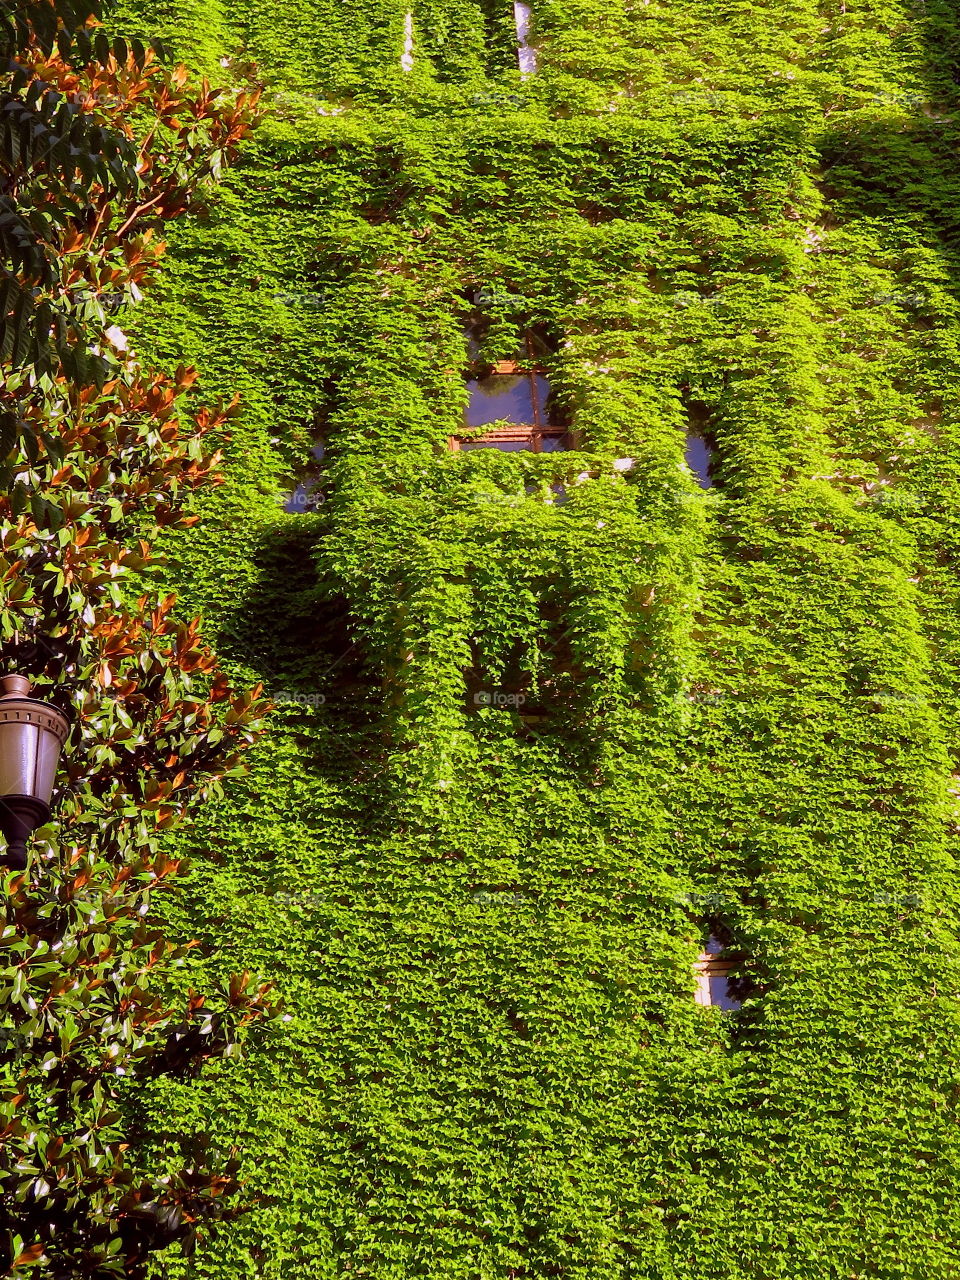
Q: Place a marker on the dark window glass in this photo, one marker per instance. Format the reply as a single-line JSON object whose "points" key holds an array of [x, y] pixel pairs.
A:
{"points": [[720, 995], [542, 385], [505, 446], [502, 398], [699, 455], [306, 497]]}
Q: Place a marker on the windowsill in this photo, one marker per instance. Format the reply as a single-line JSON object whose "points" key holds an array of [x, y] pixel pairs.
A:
{"points": [[523, 437]]}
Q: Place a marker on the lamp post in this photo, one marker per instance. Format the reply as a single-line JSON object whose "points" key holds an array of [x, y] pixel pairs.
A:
{"points": [[32, 734]]}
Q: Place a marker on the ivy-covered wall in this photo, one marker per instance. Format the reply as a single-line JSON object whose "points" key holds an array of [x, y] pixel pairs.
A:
{"points": [[544, 721]]}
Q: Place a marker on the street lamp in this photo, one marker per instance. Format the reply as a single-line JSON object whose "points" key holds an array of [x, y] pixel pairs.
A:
{"points": [[32, 734]]}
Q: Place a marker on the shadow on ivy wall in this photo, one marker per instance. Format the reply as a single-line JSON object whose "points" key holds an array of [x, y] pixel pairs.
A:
{"points": [[303, 639]]}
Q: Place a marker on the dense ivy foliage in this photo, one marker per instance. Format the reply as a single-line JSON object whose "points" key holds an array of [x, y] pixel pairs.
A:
{"points": [[544, 721]]}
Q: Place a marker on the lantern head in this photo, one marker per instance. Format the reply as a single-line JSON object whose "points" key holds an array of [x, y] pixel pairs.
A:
{"points": [[32, 735]]}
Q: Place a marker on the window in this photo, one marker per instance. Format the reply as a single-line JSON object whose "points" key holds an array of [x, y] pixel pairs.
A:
{"points": [[700, 446], [714, 977], [699, 458], [307, 496], [526, 54], [514, 395], [406, 58]]}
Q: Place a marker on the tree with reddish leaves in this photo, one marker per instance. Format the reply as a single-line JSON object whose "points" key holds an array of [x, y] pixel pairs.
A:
{"points": [[78, 178], [94, 450]]}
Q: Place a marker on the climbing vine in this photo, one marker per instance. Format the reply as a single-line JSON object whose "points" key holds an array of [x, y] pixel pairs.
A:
{"points": [[545, 721]]}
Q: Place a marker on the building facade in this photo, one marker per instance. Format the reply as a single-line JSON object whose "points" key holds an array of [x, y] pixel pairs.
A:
{"points": [[593, 518]]}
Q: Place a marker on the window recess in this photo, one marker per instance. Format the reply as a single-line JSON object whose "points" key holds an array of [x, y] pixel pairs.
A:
{"points": [[718, 985], [406, 58]]}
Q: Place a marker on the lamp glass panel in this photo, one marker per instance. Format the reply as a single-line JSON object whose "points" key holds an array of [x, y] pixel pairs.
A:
{"points": [[19, 748], [29, 756], [48, 759]]}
